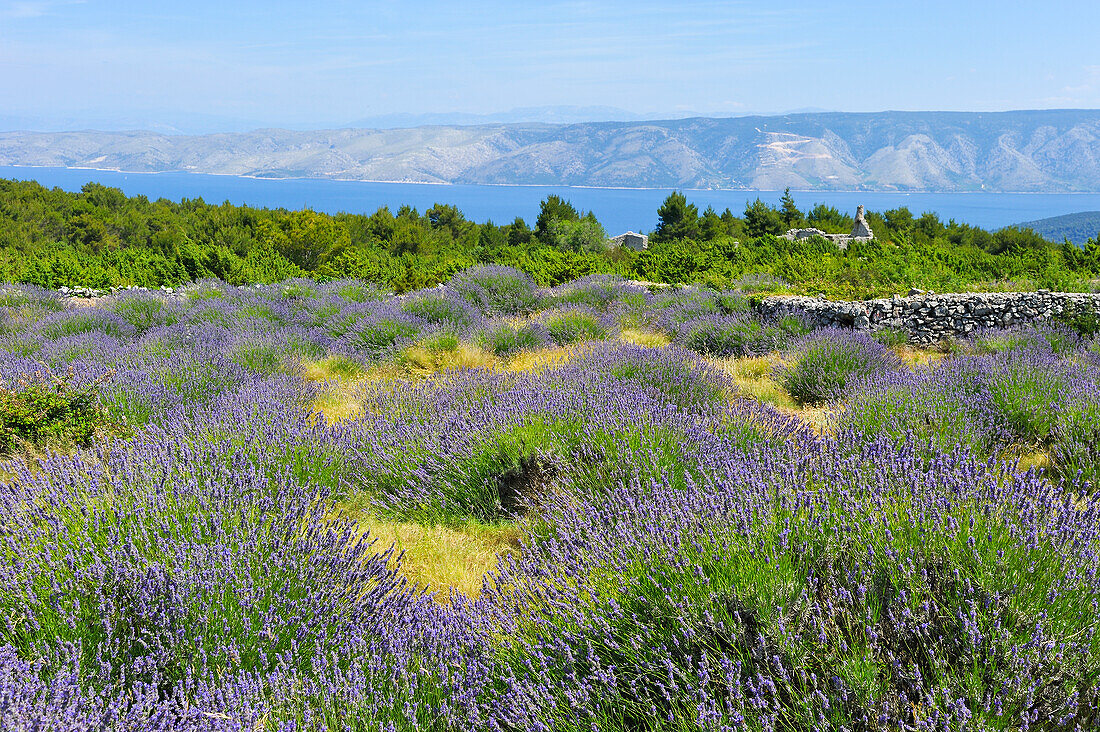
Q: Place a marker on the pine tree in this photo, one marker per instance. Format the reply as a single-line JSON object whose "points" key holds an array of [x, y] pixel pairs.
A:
{"points": [[788, 210], [677, 219]]}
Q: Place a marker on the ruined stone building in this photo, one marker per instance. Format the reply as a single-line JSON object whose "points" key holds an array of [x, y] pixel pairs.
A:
{"points": [[861, 231], [630, 240]]}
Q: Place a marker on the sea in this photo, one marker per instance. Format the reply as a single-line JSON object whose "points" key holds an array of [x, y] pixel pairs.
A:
{"points": [[618, 209]]}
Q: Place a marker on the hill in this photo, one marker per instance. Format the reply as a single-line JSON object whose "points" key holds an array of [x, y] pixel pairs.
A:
{"points": [[1039, 150], [1077, 227]]}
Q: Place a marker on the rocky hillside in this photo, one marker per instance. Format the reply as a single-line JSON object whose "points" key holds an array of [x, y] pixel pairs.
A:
{"points": [[1047, 150]]}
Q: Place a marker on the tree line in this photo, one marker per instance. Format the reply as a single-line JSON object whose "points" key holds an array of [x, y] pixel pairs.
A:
{"points": [[99, 237]]}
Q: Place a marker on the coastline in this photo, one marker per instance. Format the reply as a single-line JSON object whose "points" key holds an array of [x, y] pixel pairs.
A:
{"points": [[245, 176]]}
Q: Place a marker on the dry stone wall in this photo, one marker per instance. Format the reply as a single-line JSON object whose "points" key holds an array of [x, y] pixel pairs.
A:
{"points": [[929, 318]]}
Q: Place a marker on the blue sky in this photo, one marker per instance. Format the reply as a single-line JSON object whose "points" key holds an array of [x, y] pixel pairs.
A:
{"points": [[329, 63]]}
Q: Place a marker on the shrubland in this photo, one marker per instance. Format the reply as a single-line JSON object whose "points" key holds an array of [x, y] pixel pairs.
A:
{"points": [[101, 238], [497, 505]]}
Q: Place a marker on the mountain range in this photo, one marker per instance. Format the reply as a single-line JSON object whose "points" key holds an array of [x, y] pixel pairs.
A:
{"points": [[1036, 150]]}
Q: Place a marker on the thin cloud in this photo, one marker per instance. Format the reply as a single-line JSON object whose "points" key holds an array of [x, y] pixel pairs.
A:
{"points": [[33, 8]]}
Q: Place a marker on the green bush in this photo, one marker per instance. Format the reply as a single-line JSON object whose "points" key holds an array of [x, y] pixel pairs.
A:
{"points": [[575, 326], [49, 410], [891, 337], [1084, 320]]}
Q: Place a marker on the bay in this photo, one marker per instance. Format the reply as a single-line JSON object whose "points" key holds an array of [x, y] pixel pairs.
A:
{"points": [[618, 209]]}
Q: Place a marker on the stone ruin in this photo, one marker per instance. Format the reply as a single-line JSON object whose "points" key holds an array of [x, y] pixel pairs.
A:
{"points": [[630, 240], [861, 231]]}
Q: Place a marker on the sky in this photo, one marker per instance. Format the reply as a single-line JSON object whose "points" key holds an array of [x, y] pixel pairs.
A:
{"points": [[203, 65]]}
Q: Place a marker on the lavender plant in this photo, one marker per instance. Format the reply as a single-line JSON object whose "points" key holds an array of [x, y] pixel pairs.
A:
{"points": [[689, 559], [505, 338], [574, 325], [496, 290], [440, 307], [824, 364]]}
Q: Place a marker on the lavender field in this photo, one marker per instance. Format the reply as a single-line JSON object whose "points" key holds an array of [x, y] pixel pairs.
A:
{"points": [[489, 506]]}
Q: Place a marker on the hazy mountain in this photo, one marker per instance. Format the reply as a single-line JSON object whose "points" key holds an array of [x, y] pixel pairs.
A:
{"points": [[549, 115], [1047, 150], [166, 122], [1077, 227]]}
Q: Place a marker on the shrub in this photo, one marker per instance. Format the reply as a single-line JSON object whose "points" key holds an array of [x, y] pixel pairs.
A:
{"points": [[208, 289], [940, 409], [731, 302], [632, 310], [296, 289], [794, 325], [1060, 339], [1082, 319], [439, 307], [22, 296], [864, 602], [381, 331], [671, 308], [665, 374], [49, 409], [724, 335], [496, 290], [1075, 437], [85, 320], [144, 311], [84, 346], [505, 338], [826, 362], [997, 340], [574, 325], [891, 337], [259, 357], [598, 292], [1025, 388], [1043, 338], [353, 290]]}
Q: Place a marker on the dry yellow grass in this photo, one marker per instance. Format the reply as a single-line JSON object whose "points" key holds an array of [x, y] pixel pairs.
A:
{"points": [[914, 356], [333, 368], [422, 361], [441, 558], [535, 361], [753, 378], [341, 399], [1037, 459], [338, 405], [642, 337]]}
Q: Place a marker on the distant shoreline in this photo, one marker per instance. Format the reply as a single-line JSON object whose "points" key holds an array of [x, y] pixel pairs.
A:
{"points": [[894, 192]]}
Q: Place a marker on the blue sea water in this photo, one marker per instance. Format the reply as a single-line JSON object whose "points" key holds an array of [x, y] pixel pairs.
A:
{"points": [[619, 209]]}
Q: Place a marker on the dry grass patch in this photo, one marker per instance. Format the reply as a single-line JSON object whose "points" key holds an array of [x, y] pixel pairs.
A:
{"points": [[441, 558], [642, 337], [333, 368], [420, 360], [338, 405], [913, 356], [535, 361], [1032, 459], [822, 419], [753, 378]]}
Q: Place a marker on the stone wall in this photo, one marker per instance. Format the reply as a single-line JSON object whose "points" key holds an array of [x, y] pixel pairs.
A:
{"points": [[929, 318]]}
